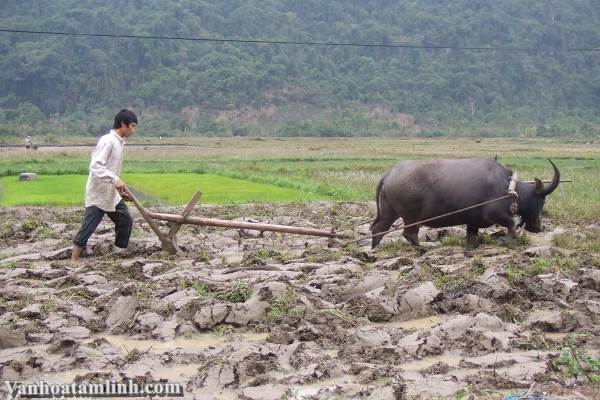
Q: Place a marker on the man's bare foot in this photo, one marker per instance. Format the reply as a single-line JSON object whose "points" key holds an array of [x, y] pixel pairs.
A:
{"points": [[76, 253]]}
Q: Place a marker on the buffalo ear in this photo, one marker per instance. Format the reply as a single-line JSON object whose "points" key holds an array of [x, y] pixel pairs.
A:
{"points": [[539, 186]]}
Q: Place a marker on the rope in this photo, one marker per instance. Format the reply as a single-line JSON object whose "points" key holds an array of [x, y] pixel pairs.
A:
{"points": [[429, 219], [311, 43]]}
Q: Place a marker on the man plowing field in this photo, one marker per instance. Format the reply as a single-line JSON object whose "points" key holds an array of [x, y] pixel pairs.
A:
{"points": [[105, 192]]}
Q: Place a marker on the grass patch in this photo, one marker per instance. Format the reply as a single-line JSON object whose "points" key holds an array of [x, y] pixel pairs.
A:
{"points": [[282, 304], [9, 265], [64, 190], [516, 274], [222, 330], [320, 255], [49, 306], [238, 294], [179, 189], [6, 230], [453, 241], [202, 289], [589, 241], [203, 256], [341, 315], [538, 341], [446, 282], [261, 256], [394, 247], [511, 313], [575, 362]]}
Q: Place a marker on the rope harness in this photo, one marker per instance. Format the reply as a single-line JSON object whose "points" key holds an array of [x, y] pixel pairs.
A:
{"points": [[512, 185]]}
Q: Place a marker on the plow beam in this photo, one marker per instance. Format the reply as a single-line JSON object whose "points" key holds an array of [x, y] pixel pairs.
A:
{"points": [[244, 225]]}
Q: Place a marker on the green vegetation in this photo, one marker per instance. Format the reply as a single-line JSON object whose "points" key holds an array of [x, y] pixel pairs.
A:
{"points": [[9, 265], [49, 190], [443, 281], [511, 313], [471, 392], [587, 241], [575, 362], [237, 294], [452, 240], [321, 255], [282, 304], [61, 85], [260, 257], [226, 170], [203, 256], [516, 273], [179, 189], [222, 330], [64, 190], [202, 289]]}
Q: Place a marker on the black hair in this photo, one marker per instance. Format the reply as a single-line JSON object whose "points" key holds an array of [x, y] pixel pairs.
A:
{"points": [[126, 116]]}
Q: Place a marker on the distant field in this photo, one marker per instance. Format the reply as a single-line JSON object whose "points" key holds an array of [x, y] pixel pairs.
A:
{"points": [[64, 190], [179, 189], [317, 169], [69, 190]]}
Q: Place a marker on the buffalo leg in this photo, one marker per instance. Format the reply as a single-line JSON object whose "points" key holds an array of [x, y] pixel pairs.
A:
{"points": [[509, 223], [412, 235], [382, 225], [511, 233], [472, 238], [385, 219]]}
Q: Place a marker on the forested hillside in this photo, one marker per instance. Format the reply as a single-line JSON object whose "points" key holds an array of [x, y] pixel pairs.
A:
{"points": [[74, 85]]}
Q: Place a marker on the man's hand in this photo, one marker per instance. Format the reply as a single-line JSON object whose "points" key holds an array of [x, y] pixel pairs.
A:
{"points": [[123, 190]]}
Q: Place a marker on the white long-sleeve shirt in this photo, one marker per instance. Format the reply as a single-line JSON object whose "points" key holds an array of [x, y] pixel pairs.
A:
{"points": [[105, 169]]}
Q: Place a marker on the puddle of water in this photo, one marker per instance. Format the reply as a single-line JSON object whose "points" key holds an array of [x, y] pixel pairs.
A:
{"points": [[418, 365], [556, 335], [311, 389], [176, 373], [193, 343], [65, 377], [35, 349], [420, 323], [226, 394], [173, 373], [333, 353]]}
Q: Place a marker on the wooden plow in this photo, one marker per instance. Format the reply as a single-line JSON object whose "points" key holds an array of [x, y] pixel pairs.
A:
{"points": [[169, 240]]}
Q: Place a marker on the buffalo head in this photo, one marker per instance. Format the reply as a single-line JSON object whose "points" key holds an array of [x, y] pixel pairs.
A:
{"points": [[531, 201]]}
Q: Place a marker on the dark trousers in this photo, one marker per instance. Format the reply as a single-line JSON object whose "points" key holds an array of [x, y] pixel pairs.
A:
{"points": [[92, 217]]}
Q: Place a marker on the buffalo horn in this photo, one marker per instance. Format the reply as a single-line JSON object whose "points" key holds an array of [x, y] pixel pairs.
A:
{"points": [[549, 188]]}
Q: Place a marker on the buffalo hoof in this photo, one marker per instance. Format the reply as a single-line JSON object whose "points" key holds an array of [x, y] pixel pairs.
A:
{"points": [[472, 243]]}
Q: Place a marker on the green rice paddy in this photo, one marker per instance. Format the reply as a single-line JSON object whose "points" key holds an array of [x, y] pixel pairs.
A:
{"points": [[233, 170], [69, 190]]}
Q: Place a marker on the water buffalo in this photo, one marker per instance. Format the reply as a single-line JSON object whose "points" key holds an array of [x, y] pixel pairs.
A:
{"points": [[418, 190]]}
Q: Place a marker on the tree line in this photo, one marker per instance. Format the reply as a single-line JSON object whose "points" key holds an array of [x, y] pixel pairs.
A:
{"points": [[73, 85]]}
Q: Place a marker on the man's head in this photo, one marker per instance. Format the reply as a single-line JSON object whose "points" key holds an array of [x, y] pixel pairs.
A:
{"points": [[125, 122]]}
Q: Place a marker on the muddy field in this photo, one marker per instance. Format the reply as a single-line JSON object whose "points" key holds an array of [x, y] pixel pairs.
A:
{"points": [[251, 315]]}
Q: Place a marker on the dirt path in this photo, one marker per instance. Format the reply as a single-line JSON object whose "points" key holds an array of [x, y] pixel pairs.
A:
{"points": [[247, 315]]}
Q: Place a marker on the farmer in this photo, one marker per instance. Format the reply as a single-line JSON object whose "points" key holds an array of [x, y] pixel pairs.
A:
{"points": [[105, 191]]}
